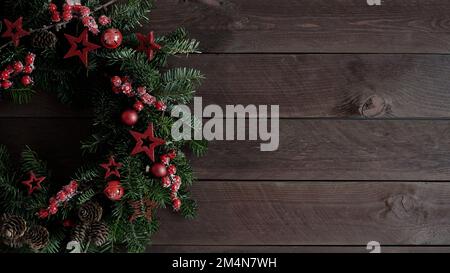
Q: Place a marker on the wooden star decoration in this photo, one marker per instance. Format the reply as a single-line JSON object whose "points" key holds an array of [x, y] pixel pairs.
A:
{"points": [[147, 44], [112, 168], [149, 147], [76, 42], [34, 183], [14, 31], [142, 208]]}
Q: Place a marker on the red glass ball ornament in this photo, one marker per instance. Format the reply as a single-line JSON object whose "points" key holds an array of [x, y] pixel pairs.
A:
{"points": [[130, 117], [112, 38], [159, 170], [26, 80], [114, 190]]}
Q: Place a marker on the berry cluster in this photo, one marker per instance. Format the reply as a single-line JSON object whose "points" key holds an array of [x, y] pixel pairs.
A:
{"points": [[167, 172], [18, 69], [123, 85], [60, 198], [84, 13]]}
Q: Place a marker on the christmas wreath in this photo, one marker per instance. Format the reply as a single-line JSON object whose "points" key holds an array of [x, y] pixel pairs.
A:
{"points": [[87, 53]]}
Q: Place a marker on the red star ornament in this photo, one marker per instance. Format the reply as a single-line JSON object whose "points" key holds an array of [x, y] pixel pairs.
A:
{"points": [[148, 135], [15, 31], [34, 183], [74, 46], [112, 167], [147, 44]]}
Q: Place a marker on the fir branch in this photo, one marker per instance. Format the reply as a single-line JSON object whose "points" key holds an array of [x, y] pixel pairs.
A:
{"points": [[131, 14], [31, 162], [179, 84], [20, 95]]}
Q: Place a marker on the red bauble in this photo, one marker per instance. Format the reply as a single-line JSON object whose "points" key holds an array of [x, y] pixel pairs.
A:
{"points": [[130, 117], [26, 80], [112, 38], [114, 190], [18, 67], [159, 170], [6, 84]]}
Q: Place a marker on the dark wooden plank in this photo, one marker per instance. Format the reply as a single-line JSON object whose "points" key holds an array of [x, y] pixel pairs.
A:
{"points": [[356, 86], [291, 249], [398, 26], [312, 213], [309, 149]]}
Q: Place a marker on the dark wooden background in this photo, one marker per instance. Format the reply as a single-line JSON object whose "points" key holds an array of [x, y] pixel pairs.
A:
{"points": [[364, 132]]}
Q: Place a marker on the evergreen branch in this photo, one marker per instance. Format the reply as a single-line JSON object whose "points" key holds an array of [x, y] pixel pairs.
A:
{"points": [[131, 14], [31, 162]]}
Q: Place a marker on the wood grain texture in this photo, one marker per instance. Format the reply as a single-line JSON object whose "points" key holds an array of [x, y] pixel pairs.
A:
{"points": [[306, 85], [342, 85], [309, 149], [291, 249], [257, 213], [352, 26]]}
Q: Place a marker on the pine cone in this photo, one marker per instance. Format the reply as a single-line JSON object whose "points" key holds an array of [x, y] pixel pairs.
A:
{"points": [[90, 212], [13, 243], [37, 237], [44, 39], [12, 227], [79, 232], [99, 233]]}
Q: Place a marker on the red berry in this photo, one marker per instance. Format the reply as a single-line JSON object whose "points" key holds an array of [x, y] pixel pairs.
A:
{"points": [[43, 213], [126, 88], [6, 84], [116, 90], [165, 159], [176, 179], [172, 154], [160, 106], [9, 69], [52, 7], [148, 99], [61, 196], [159, 170], [5, 75], [67, 8], [56, 17], [53, 209], [176, 203], [29, 59], [18, 67], [175, 187], [67, 16], [85, 11], [125, 79], [52, 201], [73, 185], [166, 181], [172, 169], [138, 106], [116, 81], [28, 69], [130, 117], [141, 90], [26, 80], [104, 20]]}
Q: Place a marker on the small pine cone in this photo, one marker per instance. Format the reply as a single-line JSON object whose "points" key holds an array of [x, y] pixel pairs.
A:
{"points": [[79, 233], [12, 227], [37, 237], [13, 243], [44, 39], [99, 233], [90, 212]]}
